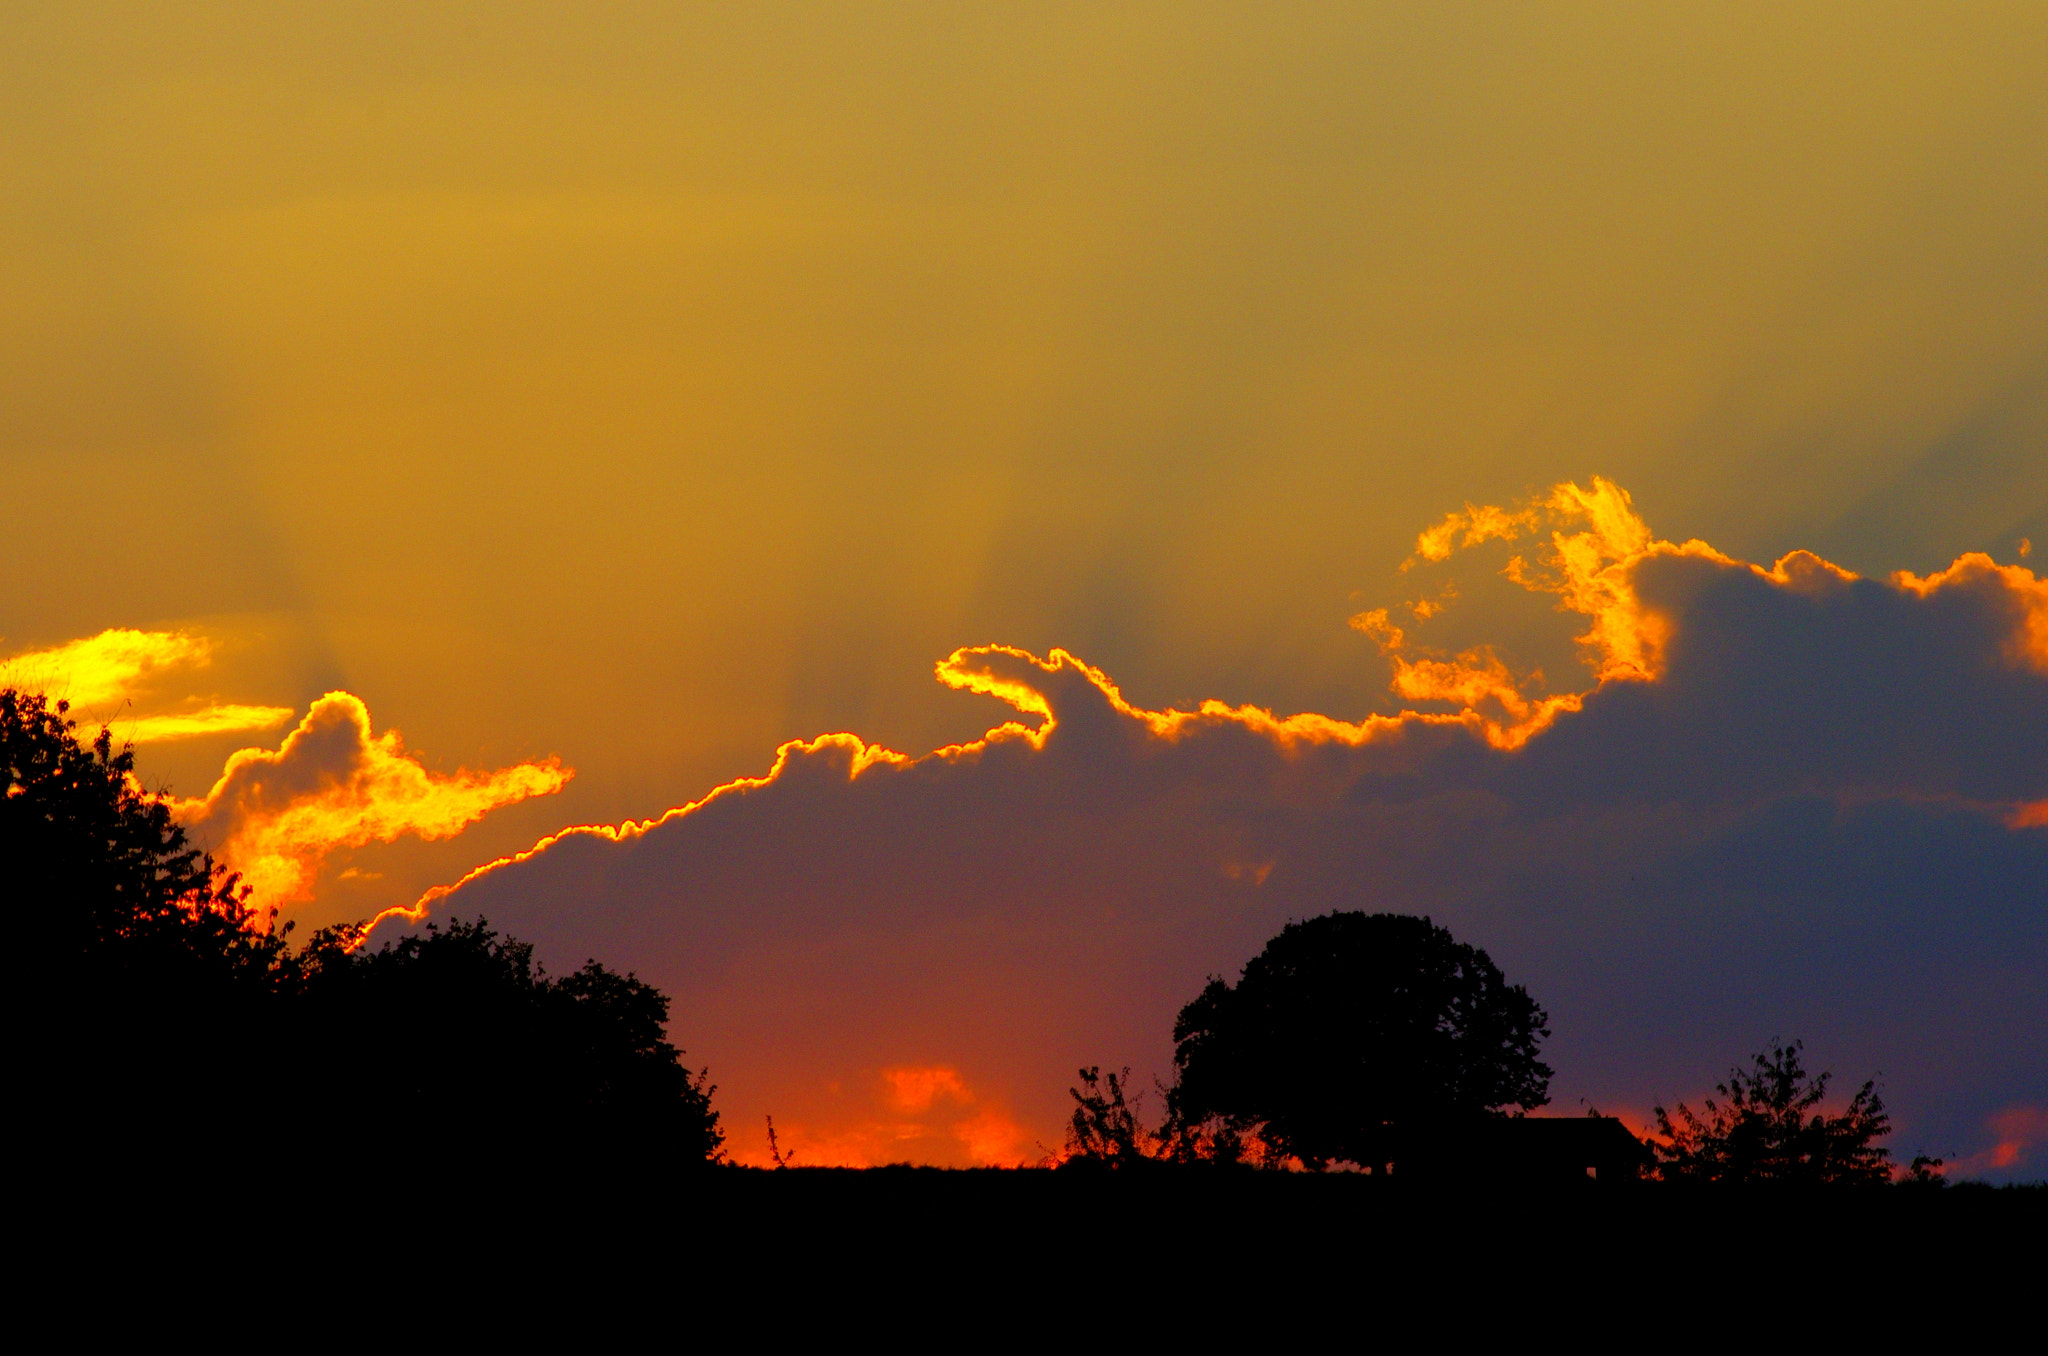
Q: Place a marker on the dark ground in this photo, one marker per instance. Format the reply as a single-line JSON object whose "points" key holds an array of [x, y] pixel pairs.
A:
{"points": [[946, 1220], [457, 1252]]}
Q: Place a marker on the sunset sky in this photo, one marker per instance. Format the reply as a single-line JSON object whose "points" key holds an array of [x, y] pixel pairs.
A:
{"points": [[428, 427]]}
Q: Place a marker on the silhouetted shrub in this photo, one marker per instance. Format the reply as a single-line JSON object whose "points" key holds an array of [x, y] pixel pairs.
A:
{"points": [[1105, 1128], [1770, 1130]]}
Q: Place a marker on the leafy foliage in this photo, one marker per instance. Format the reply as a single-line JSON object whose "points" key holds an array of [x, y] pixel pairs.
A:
{"points": [[154, 987], [98, 866], [462, 1029], [1770, 1129], [1349, 1030]]}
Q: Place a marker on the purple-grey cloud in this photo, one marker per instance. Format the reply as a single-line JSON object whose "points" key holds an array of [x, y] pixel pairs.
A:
{"points": [[1797, 803]]}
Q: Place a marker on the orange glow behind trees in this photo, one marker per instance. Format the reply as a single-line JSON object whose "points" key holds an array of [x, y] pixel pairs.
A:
{"points": [[334, 784]]}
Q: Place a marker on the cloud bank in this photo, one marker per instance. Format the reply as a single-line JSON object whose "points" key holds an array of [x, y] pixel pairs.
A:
{"points": [[1791, 802]]}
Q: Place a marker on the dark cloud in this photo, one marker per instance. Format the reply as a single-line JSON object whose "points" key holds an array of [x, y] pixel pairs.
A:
{"points": [[1802, 824], [1818, 683]]}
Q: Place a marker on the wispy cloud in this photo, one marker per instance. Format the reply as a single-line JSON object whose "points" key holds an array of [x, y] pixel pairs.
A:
{"points": [[103, 676]]}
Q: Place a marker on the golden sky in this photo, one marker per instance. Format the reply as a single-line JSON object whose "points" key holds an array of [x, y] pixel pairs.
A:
{"points": [[641, 386]]}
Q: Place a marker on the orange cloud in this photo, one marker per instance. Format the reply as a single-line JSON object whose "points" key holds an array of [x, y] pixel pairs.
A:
{"points": [[227, 718], [1592, 573], [916, 1113], [1598, 548], [106, 667], [1388, 636], [1477, 523], [1804, 572], [2019, 1130], [275, 816], [2016, 1132], [992, 1139], [1590, 569], [1422, 609], [2012, 589], [102, 673], [914, 1090], [1471, 679]]}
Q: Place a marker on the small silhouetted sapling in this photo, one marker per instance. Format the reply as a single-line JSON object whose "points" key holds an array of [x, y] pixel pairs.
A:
{"points": [[1767, 1126]]}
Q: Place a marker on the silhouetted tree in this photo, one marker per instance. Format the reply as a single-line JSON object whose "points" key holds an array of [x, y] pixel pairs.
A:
{"points": [[1769, 1129], [457, 1029], [153, 984], [1350, 1030], [94, 864], [159, 999]]}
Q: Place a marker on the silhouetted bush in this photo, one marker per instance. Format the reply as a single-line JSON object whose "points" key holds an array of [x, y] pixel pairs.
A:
{"points": [[1770, 1130], [1105, 1130]]}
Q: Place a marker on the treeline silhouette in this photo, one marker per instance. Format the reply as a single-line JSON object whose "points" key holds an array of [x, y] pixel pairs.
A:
{"points": [[163, 1005], [1380, 1043], [160, 1002]]}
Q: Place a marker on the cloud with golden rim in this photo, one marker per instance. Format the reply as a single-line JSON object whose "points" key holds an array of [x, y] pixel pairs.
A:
{"points": [[1786, 799], [274, 816]]}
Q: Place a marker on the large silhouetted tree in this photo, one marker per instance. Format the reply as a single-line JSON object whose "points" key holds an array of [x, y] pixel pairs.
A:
{"points": [[1352, 1030], [95, 865], [1769, 1128], [152, 989]]}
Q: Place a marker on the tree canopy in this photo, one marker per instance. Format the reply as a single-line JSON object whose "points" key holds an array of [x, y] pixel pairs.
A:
{"points": [[97, 865], [154, 988], [161, 1000], [1350, 1030], [1769, 1129], [458, 1029]]}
